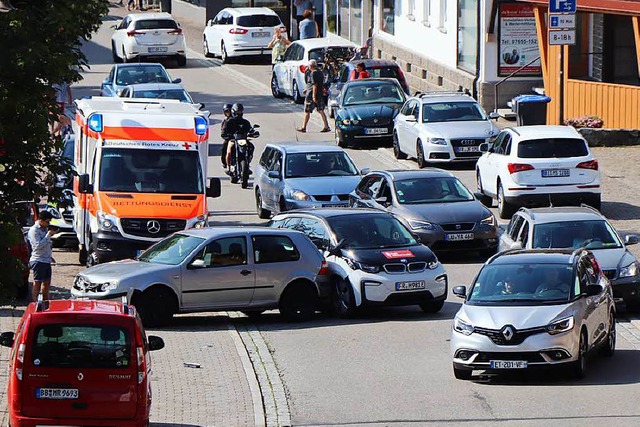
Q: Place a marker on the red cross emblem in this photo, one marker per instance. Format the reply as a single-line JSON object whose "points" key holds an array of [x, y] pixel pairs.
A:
{"points": [[186, 145]]}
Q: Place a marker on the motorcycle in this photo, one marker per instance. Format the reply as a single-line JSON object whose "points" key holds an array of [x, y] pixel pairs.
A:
{"points": [[242, 156]]}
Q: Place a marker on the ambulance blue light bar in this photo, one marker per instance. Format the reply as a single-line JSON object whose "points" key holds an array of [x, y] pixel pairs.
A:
{"points": [[201, 125], [95, 123]]}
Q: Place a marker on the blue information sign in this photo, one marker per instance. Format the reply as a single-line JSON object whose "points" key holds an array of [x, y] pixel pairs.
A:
{"points": [[562, 6]]}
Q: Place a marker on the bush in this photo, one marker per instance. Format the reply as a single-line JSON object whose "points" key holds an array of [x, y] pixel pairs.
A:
{"points": [[585, 122]]}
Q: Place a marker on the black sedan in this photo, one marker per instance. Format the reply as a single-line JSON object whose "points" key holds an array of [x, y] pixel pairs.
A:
{"points": [[365, 110], [433, 204]]}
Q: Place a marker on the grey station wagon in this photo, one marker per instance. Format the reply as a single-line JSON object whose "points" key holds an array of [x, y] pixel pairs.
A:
{"points": [[234, 268]]}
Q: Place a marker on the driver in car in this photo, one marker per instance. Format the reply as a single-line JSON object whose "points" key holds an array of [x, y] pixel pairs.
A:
{"points": [[553, 282]]}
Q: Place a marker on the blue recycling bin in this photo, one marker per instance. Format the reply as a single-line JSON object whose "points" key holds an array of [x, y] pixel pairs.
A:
{"points": [[531, 109]]}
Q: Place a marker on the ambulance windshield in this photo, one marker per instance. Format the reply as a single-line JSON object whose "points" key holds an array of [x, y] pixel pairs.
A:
{"points": [[150, 171]]}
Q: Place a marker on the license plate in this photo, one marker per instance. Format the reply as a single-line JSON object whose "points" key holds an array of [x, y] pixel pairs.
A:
{"points": [[260, 34], [56, 393], [458, 236], [410, 286], [157, 49], [508, 364], [471, 149], [376, 131], [551, 173], [335, 205]]}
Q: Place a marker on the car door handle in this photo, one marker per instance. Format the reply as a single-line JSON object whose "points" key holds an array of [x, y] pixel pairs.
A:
{"points": [[245, 272]]}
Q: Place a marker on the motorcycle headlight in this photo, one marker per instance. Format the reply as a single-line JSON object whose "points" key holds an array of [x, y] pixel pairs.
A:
{"points": [[107, 222], [420, 225], [630, 270], [300, 195], [367, 268], [462, 327], [490, 220], [560, 326], [438, 141]]}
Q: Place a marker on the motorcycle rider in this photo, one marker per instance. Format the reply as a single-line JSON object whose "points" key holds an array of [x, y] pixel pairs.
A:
{"points": [[236, 125], [226, 110]]}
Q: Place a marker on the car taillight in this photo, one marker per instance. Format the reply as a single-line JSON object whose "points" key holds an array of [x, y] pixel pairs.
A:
{"points": [[20, 361], [303, 69], [238, 31], [324, 269], [176, 32], [133, 33], [591, 164], [518, 167], [142, 365]]}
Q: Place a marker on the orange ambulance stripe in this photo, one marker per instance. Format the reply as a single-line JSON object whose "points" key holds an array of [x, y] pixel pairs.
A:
{"points": [[148, 134]]}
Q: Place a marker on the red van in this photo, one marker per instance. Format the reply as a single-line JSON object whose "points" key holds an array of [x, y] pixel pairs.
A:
{"points": [[78, 363]]}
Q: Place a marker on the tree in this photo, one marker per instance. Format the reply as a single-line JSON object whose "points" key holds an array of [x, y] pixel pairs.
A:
{"points": [[41, 46]]}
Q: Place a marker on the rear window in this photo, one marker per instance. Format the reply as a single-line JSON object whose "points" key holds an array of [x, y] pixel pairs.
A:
{"points": [[156, 24], [81, 346], [144, 74], [259, 21], [336, 53], [393, 72], [552, 148]]}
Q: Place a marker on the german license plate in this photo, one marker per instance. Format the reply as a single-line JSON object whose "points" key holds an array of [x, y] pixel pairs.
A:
{"points": [[508, 364], [471, 149], [552, 173], [456, 237], [410, 286], [56, 393], [260, 34], [157, 49], [376, 131]]}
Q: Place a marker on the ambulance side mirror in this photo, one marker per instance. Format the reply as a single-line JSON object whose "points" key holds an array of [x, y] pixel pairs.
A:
{"points": [[84, 187], [213, 190]]}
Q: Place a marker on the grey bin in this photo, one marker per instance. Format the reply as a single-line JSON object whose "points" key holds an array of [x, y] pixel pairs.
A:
{"points": [[531, 109]]}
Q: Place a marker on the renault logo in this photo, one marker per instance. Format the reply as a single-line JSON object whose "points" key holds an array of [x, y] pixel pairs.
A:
{"points": [[153, 226], [508, 332], [467, 142]]}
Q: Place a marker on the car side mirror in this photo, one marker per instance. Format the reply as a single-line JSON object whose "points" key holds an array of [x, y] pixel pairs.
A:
{"points": [[516, 245], [365, 171], [209, 22], [119, 92], [6, 339], [274, 174], [197, 263], [114, 27], [412, 119], [202, 106], [460, 291], [178, 80], [382, 200], [631, 239], [213, 190], [494, 115], [593, 290], [84, 187], [484, 147], [256, 126], [155, 343], [337, 249]]}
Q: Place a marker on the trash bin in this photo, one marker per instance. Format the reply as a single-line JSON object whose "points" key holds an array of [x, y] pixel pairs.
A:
{"points": [[165, 6], [531, 109]]}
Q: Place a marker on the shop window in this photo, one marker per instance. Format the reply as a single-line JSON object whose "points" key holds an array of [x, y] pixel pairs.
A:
{"points": [[468, 35], [443, 15], [388, 16], [411, 10]]}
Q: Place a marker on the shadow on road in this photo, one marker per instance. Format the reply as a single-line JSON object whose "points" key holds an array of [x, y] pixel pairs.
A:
{"points": [[620, 210]]}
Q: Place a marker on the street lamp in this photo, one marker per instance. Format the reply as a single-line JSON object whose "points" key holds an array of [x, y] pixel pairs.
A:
{"points": [[6, 6]]}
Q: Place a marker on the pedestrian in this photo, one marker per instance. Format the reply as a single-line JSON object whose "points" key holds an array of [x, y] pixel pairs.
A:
{"points": [[318, 14], [314, 98], [278, 46], [39, 236], [224, 133], [308, 27], [360, 72], [301, 6]]}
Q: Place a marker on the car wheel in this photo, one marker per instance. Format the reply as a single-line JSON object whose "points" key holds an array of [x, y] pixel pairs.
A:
{"points": [[484, 199], [116, 58], [344, 301], [156, 306], [579, 368], [181, 60], [610, 347], [596, 202], [124, 56], [253, 314], [462, 374], [505, 209], [432, 306], [397, 152], [275, 89], [297, 98], [223, 54], [205, 48], [92, 259], [339, 141], [420, 159], [298, 303], [262, 213]]}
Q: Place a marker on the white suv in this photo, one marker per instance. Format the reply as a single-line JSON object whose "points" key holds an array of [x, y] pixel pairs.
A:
{"points": [[441, 127], [147, 35], [538, 166], [239, 32]]}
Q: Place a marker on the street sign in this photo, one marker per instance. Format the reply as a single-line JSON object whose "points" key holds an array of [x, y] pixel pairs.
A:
{"points": [[562, 6], [562, 21], [562, 37]]}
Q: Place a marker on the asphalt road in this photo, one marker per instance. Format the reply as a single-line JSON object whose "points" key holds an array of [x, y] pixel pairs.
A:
{"points": [[392, 366]]}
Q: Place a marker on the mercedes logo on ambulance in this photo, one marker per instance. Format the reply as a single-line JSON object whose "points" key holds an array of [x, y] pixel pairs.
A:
{"points": [[153, 226]]}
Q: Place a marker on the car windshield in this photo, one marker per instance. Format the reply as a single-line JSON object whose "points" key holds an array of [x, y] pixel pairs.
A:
{"points": [[596, 234], [253, 21], [156, 24], [368, 231], [67, 150], [179, 94], [431, 190], [145, 74], [552, 148], [81, 346], [452, 112], [523, 284], [304, 165], [373, 93], [131, 170], [171, 251]]}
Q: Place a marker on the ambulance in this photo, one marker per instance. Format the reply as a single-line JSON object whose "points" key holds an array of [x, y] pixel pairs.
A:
{"points": [[141, 174]]}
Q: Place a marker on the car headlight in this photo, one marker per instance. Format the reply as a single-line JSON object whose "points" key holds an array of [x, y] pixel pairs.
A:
{"points": [[299, 195], [420, 225], [462, 327], [490, 220], [107, 222], [106, 286], [367, 268], [346, 122], [560, 326], [438, 141], [629, 270]]}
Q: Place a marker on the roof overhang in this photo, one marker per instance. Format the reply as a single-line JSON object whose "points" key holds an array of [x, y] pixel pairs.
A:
{"points": [[617, 7]]}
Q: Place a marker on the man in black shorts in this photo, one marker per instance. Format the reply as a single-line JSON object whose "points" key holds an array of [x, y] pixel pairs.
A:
{"points": [[41, 254], [314, 98]]}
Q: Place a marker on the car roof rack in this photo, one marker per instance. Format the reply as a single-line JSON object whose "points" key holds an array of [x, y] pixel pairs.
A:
{"points": [[584, 205], [439, 93]]}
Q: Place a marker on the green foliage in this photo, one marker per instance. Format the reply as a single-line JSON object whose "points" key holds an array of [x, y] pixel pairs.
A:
{"points": [[41, 46]]}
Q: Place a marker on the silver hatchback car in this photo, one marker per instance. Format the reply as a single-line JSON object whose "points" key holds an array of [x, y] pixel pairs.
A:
{"points": [[235, 268], [531, 309]]}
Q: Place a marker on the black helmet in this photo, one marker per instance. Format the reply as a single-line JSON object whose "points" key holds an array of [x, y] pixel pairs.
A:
{"points": [[237, 109], [226, 108]]}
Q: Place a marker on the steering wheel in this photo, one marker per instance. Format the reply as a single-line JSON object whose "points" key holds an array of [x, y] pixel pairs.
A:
{"points": [[589, 241]]}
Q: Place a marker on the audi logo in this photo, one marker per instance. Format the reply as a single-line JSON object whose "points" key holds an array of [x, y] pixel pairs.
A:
{"points": [[153, 226], [468, 142]]}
